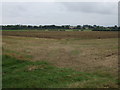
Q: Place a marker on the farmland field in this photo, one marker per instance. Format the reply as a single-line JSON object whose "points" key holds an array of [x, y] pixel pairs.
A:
{"points": [[63, 34], [79, 59]]}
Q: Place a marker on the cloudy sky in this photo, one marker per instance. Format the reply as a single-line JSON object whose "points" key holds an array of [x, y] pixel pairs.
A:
{"points": [[60, 13]]}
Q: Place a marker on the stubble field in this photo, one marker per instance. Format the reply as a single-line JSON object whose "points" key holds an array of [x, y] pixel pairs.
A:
{"points": [[95, 54]]}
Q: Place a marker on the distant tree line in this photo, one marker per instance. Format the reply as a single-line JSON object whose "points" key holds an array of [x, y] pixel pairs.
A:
{"points": [[60, 28]]}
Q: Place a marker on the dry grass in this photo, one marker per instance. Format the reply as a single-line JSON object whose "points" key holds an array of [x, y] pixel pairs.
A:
{"points": [[86, 55], [81, 51], [94, 83], [63, 34]]}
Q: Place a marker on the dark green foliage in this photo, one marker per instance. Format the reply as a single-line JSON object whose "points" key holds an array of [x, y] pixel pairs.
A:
{"points": [[60, 28]]}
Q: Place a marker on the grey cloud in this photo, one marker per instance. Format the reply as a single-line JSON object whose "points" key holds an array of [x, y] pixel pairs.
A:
{"points": [[60, 13], [92, 7], [13, 9], [119, 14]]}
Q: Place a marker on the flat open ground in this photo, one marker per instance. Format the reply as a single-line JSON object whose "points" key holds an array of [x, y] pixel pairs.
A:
{"points": [[91, 52], [63, 34]]}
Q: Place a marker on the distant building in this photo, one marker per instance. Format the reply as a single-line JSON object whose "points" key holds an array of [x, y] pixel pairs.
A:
{"points": [[72, 27]]}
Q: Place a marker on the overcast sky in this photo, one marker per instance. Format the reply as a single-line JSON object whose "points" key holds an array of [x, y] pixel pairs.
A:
{"points": [[60, 13]]}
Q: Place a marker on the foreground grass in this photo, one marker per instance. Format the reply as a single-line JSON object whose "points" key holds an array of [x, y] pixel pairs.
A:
{"points": [[40, 74]]}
